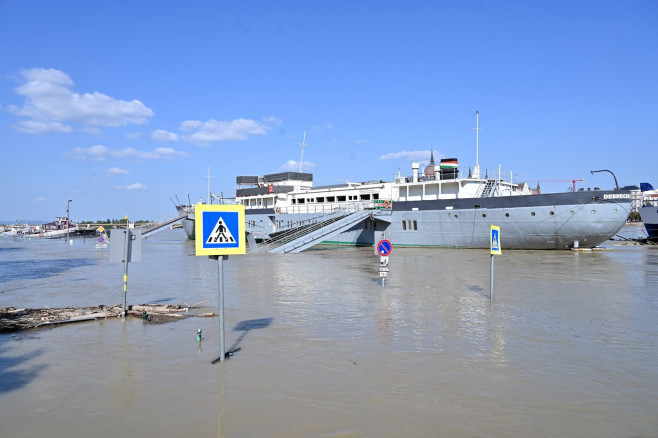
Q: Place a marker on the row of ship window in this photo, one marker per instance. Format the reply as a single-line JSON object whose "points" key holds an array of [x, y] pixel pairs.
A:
{"points": [[341, 198]]}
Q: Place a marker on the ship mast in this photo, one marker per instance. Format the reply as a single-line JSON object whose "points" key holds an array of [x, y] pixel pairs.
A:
{"points": [[208, 199], [302, 144], [476, 169]]}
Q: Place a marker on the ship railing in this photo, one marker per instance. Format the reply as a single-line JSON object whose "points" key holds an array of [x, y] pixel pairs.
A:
{"points": [[326, 208]]}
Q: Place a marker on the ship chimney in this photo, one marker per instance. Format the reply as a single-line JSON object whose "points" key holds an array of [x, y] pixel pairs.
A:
{"points": [[415, 167]]}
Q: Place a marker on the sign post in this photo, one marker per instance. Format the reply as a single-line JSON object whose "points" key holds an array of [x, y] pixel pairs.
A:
{"points": [[219, 232], [494, 240], [384, 248], [130, 251]]}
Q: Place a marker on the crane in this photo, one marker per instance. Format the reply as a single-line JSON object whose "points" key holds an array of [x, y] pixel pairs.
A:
{"points": [[572, 181]]}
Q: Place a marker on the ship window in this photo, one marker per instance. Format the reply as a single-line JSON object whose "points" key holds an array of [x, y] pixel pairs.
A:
{"points": [[319, 199], [365, 197], [375, 196], [331, 199], [409, 225], [340, 198], [294, 201], [300, 201]]}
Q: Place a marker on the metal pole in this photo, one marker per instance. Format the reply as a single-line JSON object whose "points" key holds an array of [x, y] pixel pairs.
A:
{"points": [[491, 280], [125, 267], [68, 221], [220, 261]]}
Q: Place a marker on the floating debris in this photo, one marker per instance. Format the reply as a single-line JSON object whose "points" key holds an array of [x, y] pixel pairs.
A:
{"points": [[13, 319]]}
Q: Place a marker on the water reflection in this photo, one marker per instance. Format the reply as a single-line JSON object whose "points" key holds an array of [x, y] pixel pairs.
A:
{"points": [[12, 270]]}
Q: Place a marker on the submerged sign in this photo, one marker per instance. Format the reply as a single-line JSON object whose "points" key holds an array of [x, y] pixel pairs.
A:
{"points": [[219, 229]]}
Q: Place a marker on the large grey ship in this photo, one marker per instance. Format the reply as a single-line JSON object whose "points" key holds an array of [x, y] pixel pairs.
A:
{"points": [[433, 207]]}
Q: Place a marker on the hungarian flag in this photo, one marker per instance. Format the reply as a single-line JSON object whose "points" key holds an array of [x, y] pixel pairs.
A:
{"points": [[449, 163]]}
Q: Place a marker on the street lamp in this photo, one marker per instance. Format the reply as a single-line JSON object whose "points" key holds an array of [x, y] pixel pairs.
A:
{"points": [[67, 220], [592, 172]]}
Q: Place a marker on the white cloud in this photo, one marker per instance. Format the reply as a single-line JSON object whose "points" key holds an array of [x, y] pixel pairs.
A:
{"points": [[116, 171], [272, 120], [164, 136], [190, 125], [40, 199], [133, 135], [50, 104], [407, 155], [293, 166], [39, 127], [362, 141], [214, 131], [136, 186], [100, 153]]}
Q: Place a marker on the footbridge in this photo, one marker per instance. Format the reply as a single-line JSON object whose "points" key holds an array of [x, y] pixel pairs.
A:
{"points": [[301, 238]]}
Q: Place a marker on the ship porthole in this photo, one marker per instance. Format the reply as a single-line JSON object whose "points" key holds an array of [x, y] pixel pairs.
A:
{"points": [[571, 212], [593, 211], [532, 213], [484, 215], [615, 210], [506, 214], [552, 213], [456, 216]]}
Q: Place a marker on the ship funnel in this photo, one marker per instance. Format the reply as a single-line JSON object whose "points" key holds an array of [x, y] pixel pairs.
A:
{"points": [[415, 167]]}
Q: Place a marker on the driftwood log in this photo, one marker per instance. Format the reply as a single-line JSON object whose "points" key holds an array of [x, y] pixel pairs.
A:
{"points": [[13, 319]]}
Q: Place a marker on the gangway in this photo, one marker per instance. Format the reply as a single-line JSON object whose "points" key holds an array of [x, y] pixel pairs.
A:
{"points": [[154, 226], [302, 238]]}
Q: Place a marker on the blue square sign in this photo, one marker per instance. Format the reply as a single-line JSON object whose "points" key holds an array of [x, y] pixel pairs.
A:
{"points": [[494, 239], [219, 229]]}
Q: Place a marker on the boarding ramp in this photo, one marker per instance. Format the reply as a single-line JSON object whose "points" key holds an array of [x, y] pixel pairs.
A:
{"points": [[302, 238], [157, 225]]}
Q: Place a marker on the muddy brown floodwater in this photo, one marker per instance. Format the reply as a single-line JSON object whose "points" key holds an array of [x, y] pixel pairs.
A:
{"points": [[566, 348]]}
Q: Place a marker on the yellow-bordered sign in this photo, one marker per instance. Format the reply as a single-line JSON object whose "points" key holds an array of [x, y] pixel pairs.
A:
{"points": [[219, 229], [494, 240]]}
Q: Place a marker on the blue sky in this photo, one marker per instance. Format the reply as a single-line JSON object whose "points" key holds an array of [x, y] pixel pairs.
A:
{"points": [[123, 105]]}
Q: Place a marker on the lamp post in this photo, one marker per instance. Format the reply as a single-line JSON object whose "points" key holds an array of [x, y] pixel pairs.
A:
{"points": [[592, 172], [67, 220]]}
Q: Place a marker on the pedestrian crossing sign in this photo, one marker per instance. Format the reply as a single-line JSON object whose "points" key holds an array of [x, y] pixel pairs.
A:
{"points": [[219, 229], [495, 240]]}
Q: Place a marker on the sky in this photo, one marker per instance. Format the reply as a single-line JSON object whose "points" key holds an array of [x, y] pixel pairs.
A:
{"points": [[125, 106]]}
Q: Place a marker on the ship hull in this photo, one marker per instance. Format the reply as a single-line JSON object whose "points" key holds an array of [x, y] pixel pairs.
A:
{"points": [[649, 215], [550, 221]]}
